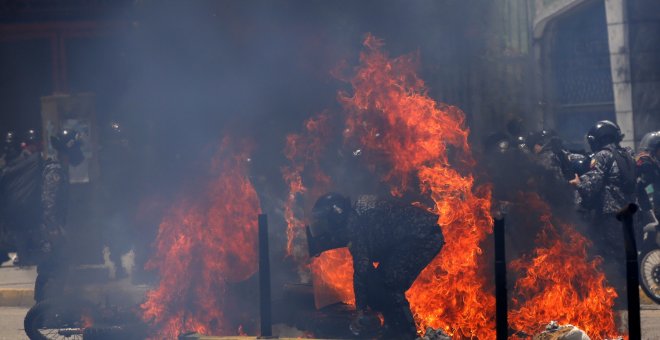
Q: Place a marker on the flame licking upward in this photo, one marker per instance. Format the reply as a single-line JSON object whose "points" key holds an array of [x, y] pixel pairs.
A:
{"points": [[204, 242], [398, 125], [424, 147], [303, 152], [392, 116], [558, 282]]}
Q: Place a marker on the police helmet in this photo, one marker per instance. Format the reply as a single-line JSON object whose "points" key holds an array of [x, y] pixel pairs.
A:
{"points": [[497, 142], [603, 133], [329, 223], [579, 163], [650, 142], [541, 138]]}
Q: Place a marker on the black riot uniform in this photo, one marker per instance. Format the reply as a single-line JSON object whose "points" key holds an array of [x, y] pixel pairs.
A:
{"points": [[54, 199], [610, 183], [648, 171], [648, 189], [20, 185], [547, 150], [605, 189], [401, 238]]}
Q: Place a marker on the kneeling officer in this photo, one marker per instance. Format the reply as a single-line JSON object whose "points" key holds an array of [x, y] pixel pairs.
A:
{"points": [[401, 238]]}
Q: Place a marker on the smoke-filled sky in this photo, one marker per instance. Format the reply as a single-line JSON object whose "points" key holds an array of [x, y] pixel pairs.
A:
{"points": [[179, 75], [193, 71]]}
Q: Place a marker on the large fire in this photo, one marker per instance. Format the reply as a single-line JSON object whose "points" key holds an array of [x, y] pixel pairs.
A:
{"points": [[332, 270], [391, 114], [424, 148], [205, 242], [557, 281], [397, 124]]}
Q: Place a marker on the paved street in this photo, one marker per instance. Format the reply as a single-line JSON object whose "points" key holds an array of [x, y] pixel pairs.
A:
{"points": [[11, 323], [16, 290], [651, 323]]}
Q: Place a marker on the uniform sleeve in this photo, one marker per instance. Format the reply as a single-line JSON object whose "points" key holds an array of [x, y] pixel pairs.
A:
{"points": [[49, 195], [361, 263], [593, 181]]}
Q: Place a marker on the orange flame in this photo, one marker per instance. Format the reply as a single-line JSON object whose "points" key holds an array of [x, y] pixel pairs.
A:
{"points": [[558, 282], [333, 277], [303, 152], [391, 114], [87, 321], [424, 147], [203, 243]]}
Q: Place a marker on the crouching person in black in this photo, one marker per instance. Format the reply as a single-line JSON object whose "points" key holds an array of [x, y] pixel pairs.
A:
{"points": [[390, 241]]}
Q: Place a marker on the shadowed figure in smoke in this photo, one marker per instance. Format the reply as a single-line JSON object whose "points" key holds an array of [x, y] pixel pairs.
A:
{"points": [[118, 187], [54, 205], [648, 181], [21, 184], [390, 241], [605, 189]]}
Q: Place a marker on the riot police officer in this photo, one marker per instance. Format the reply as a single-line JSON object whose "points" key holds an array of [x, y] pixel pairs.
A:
{"points": [[54, 198], [21, 180], [605, 189], [548, 151], [648, 188], [648, 170], [10, 151], [402, 238]]}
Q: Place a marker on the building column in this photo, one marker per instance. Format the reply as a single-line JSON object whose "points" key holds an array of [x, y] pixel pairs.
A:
{"points": [[617, 32]]}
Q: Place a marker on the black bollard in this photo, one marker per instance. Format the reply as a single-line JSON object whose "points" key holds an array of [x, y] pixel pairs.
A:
{"points": [[501, 299], [632, 271], [264, 280]]}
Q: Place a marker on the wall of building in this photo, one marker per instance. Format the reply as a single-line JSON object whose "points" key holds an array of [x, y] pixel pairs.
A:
{"points": [[644, 46]]}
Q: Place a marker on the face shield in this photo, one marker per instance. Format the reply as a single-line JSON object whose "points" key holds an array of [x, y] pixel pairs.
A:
{"points": [[328, 229]]}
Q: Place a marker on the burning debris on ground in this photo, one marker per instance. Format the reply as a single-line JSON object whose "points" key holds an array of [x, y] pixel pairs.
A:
{"points": [[313, 169], [434, 334], [554, 331]]}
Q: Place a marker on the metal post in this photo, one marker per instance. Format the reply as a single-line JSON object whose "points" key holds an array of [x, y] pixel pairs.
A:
{"points": [[632, 271], [501, 299], [264, 280]]}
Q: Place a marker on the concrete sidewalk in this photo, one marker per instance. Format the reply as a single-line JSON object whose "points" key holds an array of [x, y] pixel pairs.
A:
{"points": [[17, 285]]}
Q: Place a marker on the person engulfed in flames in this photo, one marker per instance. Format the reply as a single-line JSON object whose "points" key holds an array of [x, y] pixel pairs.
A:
{"points": [[390, 241]]}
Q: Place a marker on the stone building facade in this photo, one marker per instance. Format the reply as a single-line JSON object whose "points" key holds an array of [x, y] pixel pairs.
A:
{"points": [[597, 59]]}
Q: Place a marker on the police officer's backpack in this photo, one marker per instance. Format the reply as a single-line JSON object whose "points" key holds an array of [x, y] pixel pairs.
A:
{"points": [[627, 168]]}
